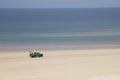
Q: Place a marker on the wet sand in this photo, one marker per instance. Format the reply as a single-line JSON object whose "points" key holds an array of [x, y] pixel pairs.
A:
{"points": [[85, 64]]}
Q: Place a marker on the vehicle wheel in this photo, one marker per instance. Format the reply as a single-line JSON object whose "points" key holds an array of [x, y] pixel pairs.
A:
{"points": [[32, 56]]}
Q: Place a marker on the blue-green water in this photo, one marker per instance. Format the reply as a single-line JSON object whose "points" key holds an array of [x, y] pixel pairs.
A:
{"points": [[24, 29]]}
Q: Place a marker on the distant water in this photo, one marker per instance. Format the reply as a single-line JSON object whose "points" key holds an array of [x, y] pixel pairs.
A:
{"points": [[26, 29]]}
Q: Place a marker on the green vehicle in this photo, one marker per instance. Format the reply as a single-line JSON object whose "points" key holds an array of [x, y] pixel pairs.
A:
{"points": [[35, 54]]}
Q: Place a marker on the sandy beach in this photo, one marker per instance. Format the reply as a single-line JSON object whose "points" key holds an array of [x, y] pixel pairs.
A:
{"points": [[85, 64]]}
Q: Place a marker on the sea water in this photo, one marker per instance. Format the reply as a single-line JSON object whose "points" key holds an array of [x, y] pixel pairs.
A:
{"points": [[26, 29]]}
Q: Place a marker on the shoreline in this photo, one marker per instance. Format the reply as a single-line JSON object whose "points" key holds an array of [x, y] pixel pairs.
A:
{"points": [[61, 49]]}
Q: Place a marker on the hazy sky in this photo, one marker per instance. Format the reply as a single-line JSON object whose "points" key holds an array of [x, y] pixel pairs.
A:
{"points": [[58, 3]]}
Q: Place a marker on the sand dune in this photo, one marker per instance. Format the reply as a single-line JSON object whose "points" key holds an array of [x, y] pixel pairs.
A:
{"points": [[87, 64]]}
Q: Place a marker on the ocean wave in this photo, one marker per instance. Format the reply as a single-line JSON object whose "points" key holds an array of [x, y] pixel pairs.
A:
{"points": [[75, 34]]}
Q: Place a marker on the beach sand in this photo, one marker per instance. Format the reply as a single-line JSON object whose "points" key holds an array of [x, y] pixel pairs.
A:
{"points": [[85, 64]]}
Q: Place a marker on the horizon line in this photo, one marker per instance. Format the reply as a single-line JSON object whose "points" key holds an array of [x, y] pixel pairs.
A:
{"points": [[59, 8]]}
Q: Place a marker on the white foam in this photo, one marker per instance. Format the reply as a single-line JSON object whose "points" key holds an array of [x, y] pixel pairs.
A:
{"points": [[74, 34]]}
